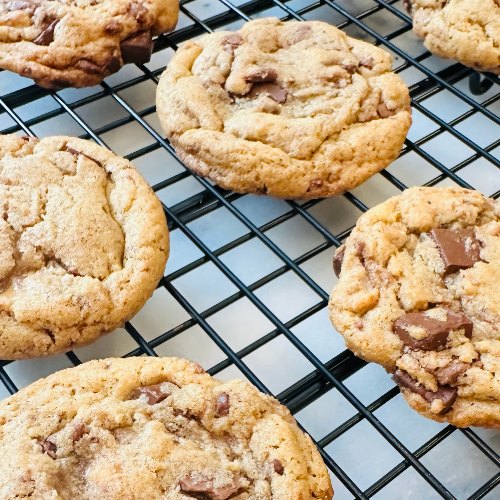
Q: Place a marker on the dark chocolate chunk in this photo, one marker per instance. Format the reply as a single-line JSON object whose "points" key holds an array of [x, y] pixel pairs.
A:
{"points": [[301, 33], [204, 488], [278, 467], [275, 92], [89, 67], [445, 393], [234, 40], [154, 394], [79, 431], [450, 373], [49, 448], [459, 249], [46, 37], [262, 75], [138, 48], [315, 184], [21, 5], [408, 5], [350, 68], [112, 28], [113, 64], [367, 63], [222, 405], [77, 153], [437, 331], [338, 259], [384, 111]]}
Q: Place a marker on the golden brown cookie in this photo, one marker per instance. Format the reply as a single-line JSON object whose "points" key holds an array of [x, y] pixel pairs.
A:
{"points": [[289, 109], [466, 30], [153, 428], [419, 293], [78, 43], [83, 244]]}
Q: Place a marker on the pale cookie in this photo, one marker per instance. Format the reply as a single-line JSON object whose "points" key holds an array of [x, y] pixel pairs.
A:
{"points": [[153, 428], [465, 30], [77, 43], [294, 110], [83, 244], [419, 293]]}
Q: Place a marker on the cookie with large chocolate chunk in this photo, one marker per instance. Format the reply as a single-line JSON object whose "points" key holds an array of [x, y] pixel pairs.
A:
{"points": [[289, 109], [83, 244], [465, 30], [151, 428], [419, 293], [78, 43]]}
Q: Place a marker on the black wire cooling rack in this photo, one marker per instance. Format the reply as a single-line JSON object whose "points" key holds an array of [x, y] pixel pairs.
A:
{"points": [[469, 124]]}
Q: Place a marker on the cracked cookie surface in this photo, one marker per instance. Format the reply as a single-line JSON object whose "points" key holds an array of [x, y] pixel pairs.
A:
{"points": [[465, 30], [155, 428], [419, 293], [294, 110], [77, 43], [83, 244]]}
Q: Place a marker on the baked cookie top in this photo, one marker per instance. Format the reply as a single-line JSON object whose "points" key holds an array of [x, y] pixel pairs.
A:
{"points": [[289, 109], [83, 243], [466, 30], [77, 43], [419, 293], [155, 428]]}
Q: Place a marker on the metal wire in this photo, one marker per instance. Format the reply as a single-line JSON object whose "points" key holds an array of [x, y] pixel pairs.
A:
{"points": [[334, 372]]}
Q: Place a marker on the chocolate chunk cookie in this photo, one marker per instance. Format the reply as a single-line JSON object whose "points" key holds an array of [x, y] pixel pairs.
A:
{"points": [[419, 293], [466, 30], [83, 244], [77, 43], [153, 428], [294, 110]]}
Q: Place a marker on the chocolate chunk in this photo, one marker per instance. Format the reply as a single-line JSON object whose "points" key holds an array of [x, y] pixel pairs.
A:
{"points": [[139, 11], [89, 67], [338, 258], [458, 249], [436, 330], [262, 75], [278, 467], [138, 48], [234, 40], [49, 448], [112, 28], [314, 185], [445, 393], [79, 431], [275, 92], [222, 406], [46, 37], [77, 153], [449, 374], [350, 68], [384, 111], [205, 489], [367, 63], [154, 394], [301, 33], [198, 368], [408, 5], [21, 5], [114, 64]]}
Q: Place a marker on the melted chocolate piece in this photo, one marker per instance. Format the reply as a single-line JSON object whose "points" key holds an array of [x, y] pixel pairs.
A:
{"points": [[205, 489], [445, 393], [408, 5], [458, 249], [449, 374], [153, 393], [222, 405], [437, 331], [75, 152], [79, 431], [301, 33], [262, 75], [314, 185], [275, 92], [138, 48], [21, 5], [383, 111], [367, 63], [49, 448], [234, 40], [46, 37], [278, 467], [338, 258]]}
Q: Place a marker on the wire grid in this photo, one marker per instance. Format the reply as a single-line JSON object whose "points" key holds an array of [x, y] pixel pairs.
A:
{"points": [[242, 241]]}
